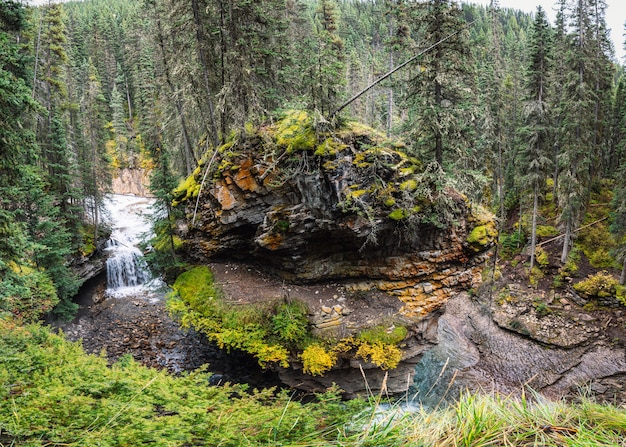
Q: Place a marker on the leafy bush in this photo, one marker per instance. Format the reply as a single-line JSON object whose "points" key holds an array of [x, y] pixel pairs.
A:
{"points": [[317, 360], [27, 293], [290, 323], [380, 354], [601, 285]]}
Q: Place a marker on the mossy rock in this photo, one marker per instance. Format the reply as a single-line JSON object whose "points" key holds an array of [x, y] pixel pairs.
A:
{"points": [[294, 132], [482, 236], [600, 285]]}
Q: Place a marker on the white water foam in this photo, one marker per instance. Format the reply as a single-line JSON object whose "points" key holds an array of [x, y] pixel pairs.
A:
{"points": [[127, 271]]}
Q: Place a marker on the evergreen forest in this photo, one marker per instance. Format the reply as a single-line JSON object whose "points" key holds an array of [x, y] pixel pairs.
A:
{"points": [[520, 115]]}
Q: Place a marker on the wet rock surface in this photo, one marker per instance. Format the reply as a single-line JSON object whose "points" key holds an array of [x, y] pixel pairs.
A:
{"points": [[140, 326]]}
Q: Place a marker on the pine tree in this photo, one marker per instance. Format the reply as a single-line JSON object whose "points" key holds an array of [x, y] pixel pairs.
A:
{"points": [[536, 156], [439, 93], [577, 126], [32, 230], [328, 70]]}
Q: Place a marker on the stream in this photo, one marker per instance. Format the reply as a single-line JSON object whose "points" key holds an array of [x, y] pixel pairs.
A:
{"points": [[123, 313]]}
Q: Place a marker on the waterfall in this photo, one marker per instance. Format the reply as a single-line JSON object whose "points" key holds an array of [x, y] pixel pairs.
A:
{"points": [[126, 266], [127, 270]]}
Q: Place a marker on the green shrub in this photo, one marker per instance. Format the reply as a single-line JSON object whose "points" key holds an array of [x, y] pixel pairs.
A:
{"points": [[52, 393], [512, 243], [542, 308], [601, 285], [290, 323]]}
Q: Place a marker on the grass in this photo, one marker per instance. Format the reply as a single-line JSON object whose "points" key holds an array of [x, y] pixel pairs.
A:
{"points": [[53, 394]]}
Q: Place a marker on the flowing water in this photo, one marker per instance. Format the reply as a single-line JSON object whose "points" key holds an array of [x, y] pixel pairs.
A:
{"points": [[125, 313], [127, 271]]}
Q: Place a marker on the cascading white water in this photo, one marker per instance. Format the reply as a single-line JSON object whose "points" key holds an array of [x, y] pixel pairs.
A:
{"points": [[127, 270], [126, 267]]}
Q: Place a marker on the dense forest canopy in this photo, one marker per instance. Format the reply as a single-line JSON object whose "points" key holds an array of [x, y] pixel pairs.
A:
{"points": [[519, 114]]}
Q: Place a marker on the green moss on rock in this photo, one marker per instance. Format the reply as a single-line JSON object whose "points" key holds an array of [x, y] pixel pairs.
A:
{"points": [[482, 236]]}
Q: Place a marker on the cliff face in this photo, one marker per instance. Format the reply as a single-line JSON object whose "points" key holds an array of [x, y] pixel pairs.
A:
{"points": [[345, 208], [133, 181]]}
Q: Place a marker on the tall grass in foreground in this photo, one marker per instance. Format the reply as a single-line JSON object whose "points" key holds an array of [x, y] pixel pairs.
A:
{"points": [[486, 420]]}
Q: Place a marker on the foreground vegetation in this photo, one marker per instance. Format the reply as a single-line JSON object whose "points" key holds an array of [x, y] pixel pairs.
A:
{"points": [[52, 394]]}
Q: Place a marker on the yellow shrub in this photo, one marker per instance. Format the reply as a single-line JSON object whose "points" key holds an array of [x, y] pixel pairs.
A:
{"points": [[380, 354], [600, 285], [317, 360]]}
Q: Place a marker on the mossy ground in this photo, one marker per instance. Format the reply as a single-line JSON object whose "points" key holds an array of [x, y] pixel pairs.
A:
{"points": [[591, 260]]}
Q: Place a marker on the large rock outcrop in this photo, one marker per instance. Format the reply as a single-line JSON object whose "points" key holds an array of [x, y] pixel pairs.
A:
{"points": [[510, 347], [346, 208]]}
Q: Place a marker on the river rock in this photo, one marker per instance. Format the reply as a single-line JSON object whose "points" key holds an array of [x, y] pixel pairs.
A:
{"points": [[483, 355]]}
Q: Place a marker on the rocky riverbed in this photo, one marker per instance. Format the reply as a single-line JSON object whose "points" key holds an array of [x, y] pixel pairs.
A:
{"points": [[139, 326]]}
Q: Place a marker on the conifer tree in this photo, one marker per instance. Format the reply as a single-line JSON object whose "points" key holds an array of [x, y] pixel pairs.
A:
{"points": [[439, 93], [536, 154], [328, 76]]}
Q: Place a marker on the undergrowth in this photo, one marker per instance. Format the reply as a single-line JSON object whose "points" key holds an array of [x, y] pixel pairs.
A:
{"points": [[53, 394], [274, 332]]}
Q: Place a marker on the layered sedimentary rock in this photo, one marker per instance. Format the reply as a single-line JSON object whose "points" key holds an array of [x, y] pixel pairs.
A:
{"points": [[343, 207]]}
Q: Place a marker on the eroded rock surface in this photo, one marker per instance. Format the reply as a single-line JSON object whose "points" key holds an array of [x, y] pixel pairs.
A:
{"points": [[133, 181], [558, 355]]}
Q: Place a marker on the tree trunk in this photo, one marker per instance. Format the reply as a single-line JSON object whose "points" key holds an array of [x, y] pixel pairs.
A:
{"points": [[622, 278], [566, 241], [390, 91], [533, 232], [500, 178]]}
